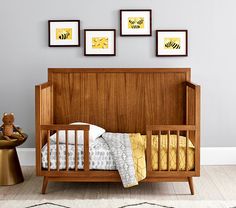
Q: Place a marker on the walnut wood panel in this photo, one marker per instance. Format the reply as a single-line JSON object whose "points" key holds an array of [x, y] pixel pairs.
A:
{"points": [[43, 115], [120, 101], [46, 106], [46, 109]]}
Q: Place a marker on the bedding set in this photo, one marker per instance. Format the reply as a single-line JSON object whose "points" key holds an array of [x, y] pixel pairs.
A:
{"points": [[118, 151]]}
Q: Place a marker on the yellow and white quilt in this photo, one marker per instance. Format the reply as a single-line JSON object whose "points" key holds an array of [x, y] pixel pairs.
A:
{"points": [[128, 151], [124, 149]]}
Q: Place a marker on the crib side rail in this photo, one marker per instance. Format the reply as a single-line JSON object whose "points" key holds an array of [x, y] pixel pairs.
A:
{"points": [[193, 94], [43, 115], [44, 103], [56, 129], [193, 116], [168, 131]]}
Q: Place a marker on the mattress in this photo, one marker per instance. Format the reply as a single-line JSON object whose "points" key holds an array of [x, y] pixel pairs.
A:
{"points": [[101, 157], [173, 153]]}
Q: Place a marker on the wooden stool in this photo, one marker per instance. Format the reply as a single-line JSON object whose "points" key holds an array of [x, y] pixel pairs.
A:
{"points": [[10, 170]]}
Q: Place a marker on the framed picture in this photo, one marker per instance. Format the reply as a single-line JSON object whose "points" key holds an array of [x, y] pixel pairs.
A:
{"points": [[136, 22], [100, 42], [63, 33], [172, 43]]}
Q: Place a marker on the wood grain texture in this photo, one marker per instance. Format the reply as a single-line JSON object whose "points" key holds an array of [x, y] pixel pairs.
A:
{"points": [[168, 151], [76, 152], [48, 149], [193, 102], [45, 184], [86, 151], [57, 146], [190, 182], [122, 101], [67, 152], [145, 100], [159, 152], [43, 115]]}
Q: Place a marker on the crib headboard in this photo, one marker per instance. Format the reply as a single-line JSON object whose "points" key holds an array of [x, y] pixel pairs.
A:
{"points": [[119, 99]]}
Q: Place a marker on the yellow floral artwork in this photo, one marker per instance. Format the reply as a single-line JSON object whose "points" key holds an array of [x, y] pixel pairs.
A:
{"points": [[136, 22], [100, 42], [172, 43], [63, 33]]}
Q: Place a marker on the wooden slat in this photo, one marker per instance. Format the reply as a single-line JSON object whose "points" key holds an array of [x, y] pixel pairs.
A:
{"points": [[197, 132], [51, 100], [38, 133], [76, 152], [64, 127], [43, 115], [48, 146], [187, 105], [187, 135], [171, 127], [58, 160], [118, 70], [172, 174], [115, 179], [111, 174], [149, 151], [86, 150], [177, 153], [67, 154], [168, 151], [71, 173], [159, 151]]}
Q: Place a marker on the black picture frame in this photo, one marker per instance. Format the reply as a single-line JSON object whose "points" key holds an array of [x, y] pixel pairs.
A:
{"points": [[114, 42], [135, 10], [172, 55], [66, 45]]}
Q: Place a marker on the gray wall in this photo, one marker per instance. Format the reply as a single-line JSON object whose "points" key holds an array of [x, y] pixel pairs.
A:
{"points": [[25, 57]]}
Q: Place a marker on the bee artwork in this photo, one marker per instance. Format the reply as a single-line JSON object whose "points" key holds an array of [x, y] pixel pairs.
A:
{"points": [[100, 42], [64, 34], [172, 43], [136, 22]]}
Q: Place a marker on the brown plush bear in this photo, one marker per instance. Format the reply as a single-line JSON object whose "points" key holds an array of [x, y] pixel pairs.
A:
{"points": [[8, 128]]}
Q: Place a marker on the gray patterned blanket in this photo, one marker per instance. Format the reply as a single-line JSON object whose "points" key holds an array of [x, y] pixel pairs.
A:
{"points": [[120, 146]]}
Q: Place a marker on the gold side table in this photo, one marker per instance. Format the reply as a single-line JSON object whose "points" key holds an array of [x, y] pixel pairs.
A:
{"points": [[10, 170]]}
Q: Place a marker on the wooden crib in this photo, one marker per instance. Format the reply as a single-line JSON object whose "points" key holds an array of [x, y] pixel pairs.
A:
{"points": [[146, 100]]}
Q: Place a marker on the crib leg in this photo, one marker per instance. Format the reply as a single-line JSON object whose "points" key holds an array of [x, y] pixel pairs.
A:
{"points": [[190, 182], [45, 184]]}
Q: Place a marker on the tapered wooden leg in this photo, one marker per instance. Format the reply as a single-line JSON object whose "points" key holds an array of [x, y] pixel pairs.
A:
{"points": [[45, 184], [190, 182]]}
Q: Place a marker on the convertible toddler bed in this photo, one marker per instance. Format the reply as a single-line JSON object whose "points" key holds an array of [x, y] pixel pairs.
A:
{"points": [[150, 117]]}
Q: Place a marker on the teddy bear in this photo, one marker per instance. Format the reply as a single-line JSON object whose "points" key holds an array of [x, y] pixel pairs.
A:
{"points": [[8, 128]]}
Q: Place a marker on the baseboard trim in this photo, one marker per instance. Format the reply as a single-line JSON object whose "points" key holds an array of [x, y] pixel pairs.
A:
{"points": [[218, 156], [209, 156]]}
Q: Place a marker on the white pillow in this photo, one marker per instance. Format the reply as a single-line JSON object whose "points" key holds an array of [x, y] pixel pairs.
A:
{"points": [[94, 133]]}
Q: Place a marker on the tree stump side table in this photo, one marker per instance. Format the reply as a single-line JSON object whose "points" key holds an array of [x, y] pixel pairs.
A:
{"points": [[10, 170]]}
